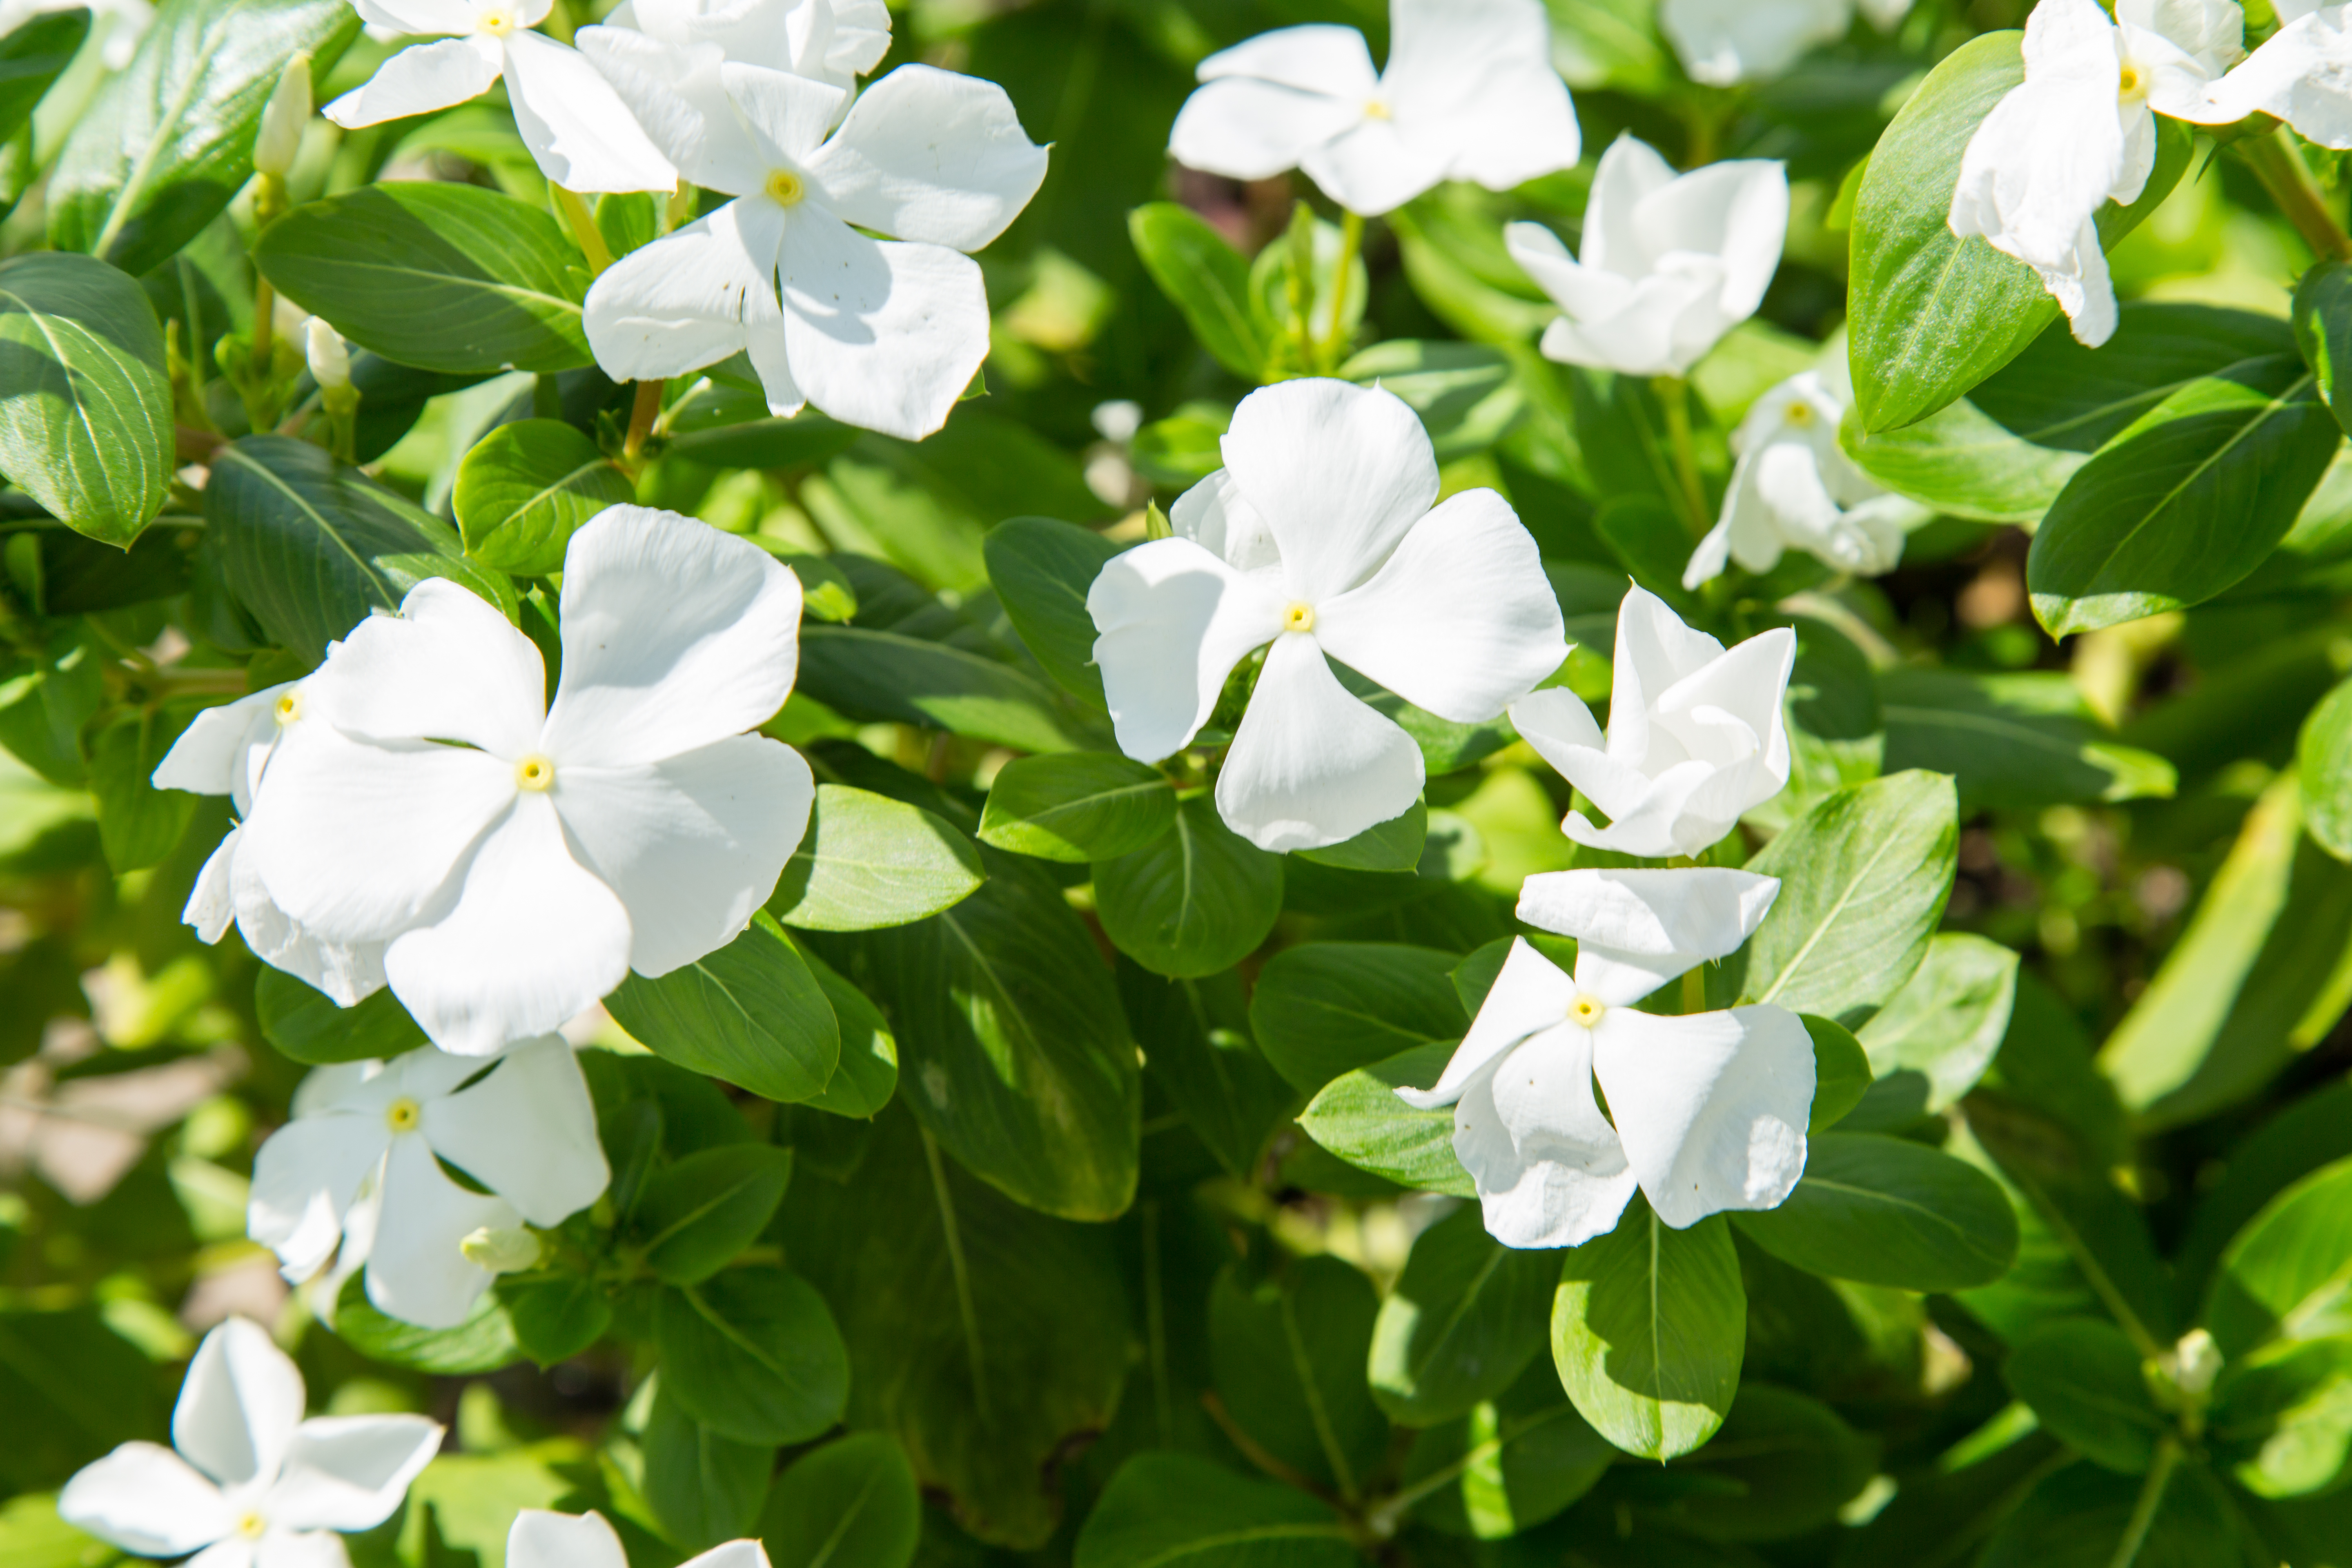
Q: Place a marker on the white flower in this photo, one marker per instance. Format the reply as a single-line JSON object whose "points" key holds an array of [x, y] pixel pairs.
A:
{"points": [[328, 358], [519, 858], [2080, 132], [1697, 736], [542, 1539], [120, 24], [1470, 93], [883, 334], [1721, 42], [2302, 74], [1671, 261], [378, 1130], [1318, 536], [1704, 1112], [253, 1484], [226, 751], [832, 41], [283, 118], [583, 137], [1795, 489]]}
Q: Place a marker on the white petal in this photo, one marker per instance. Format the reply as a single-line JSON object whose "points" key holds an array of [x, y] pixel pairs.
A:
{"points": [[306, 1177], [419, 79], [1460, 620], [930, 155], [1373, 166], [788, 114], [2044, 160], [684, 300], [528, 1132], [1249, 129], [881, 335], [1725, 41], [209, 753], [1549, 1167], [1712, 553], [531, 939], [1748, 685], [1637, 930], [1311, 764], [1665, 323], [1656, 819], [1737, 212], [692, 844], [1558, 724], [448, 668], [416, 1270], [1216, 516], [2303, 75], [349, 1472], [1712, 1107], [542, 1540], [675, 636], [1654, 649], [349, 972], [732, 1554], [1529, 995], [1629, 172], [583, 136], [1339, 472], [290, 1549], [680, 99], [145, 1499], [1474, 80], [1317, 58], [239, 1406], [1523, 126], [234, 1552], [1174, 621], [212, 902]]}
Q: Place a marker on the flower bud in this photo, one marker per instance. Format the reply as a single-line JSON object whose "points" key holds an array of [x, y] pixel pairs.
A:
{"points": [[283, 118], [503, 1249], [330, 362]]}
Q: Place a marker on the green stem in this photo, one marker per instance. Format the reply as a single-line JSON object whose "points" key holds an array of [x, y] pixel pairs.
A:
{"points": [[2151, 1498], [2279, 165], [584, 229], [642, 414], [1352, 244], [1674, 395]]}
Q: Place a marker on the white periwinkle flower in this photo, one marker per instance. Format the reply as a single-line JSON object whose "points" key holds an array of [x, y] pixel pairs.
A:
{"points": [[583, 136], [2080, 132], [1469, 93], [542, 1540], [2302, 74], [253, 1484], [226, 751], [1317, 537], [1697, 736], [1794, 488], [519, 858], [1704, 1112], [883, 334], [1671, 261], [832, 41], [368, 1138], [1721, 42]]}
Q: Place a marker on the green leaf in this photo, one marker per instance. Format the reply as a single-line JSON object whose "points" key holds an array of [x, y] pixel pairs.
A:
{"points": [[703, 1487], [2324, 764], [2186, 501], [2287, 1276], [2087, 1517], [558, 1318], [2323, 330], [310, 545], [2020, 739], [443, 277], [1782, 1465], [1964, 464], [1842, 1073], [1863, 876], [1359, 1118], [1325, 1008], [749, 1014], [850, 1504], [1392, 846], [1010, 1040], [807, 438], [1647, 1331], [2082, 1378], [1949, 1017], [1931, 314], [2282, 1423], [867, 1074], [485, 1341], [1886, 1211], [2063, 396], [1206, 278], [1077, 806], [1174, 1510], [868, 861], [1466, 394], [1508, 1465], [138, 824], [165, 145], [1192, 902], [1184, 449], [525, 486], [1288, 1354], [753, 1354], [1194, 1035], [32, 56], [696, 1213], [882, 675], [1466, 1317], [85, 405], [1042, 571], [307, 1026]]}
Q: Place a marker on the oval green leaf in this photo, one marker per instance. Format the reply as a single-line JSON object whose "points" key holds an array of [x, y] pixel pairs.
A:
{"points": [[523, 490], [85, 403]]}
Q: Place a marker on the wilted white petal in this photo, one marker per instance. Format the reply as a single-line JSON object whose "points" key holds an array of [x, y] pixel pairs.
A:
{"points": [[528, 1132], [1174, 620], [145, 1499], [1338, 471], [1637, 930], [1711, 1107], [349, 1472], [420, 80], [930, 155], [1312, 765]]}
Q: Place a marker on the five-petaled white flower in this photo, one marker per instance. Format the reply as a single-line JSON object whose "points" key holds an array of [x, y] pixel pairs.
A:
{"points": [[542, 1540], [883, 334], [1794, 488], [226, 751], [367, 1139], [519, 858], [1470, 93], [582, 137], [1697, 736], [2302, 74], [1317, 537], [1704, 1112], [1721, 42], [1671, 261], [832, 41], [2080, 132], [253, 1484]]}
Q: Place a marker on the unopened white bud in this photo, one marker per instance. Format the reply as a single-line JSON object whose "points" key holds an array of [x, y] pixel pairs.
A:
{"points": [[283, 118], [330, 362], [502, 1249], [2195, 1361]]}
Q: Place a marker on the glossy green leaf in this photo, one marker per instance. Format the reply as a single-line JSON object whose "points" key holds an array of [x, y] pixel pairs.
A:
{"points": [[138, 824], [557, 1317], [1288, 1354], [1325, 1008], [1949, 1017], [1782, 1464], [2064, 397], [1077, 806], [1392, 846], [525, 486], [485, 1341], [1042, 571], [307, 1026], [2287, 1276], [850, 1504], [1964, 464], [868, 1073], [1466, 394], [1886, 1211], [1647, 1331], [1207, 279], [1193, 900], [32, 56], [2087, 1517], [2323, 330], [1510, 1463], [85, 403], [1176, 1510], [1465, 1318], [752, 1354], [2082, 1378], [2282, 1422], [868, 861], [2018, 740], [696, 1213], [748, 1013], [872, 675], [2324, 764], [1194, 1035], [1842, 1073], [703, 1487], [1357, 1116]]}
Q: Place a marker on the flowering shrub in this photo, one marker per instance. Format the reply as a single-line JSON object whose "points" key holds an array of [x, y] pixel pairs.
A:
{"points": [[1468, 783]]}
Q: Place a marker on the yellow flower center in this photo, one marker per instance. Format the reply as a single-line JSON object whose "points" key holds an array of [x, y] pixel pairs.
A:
{"points": [[2132, 85], [535, 772], [785, 188], [1375, 109], [497, 22], [289, 708], [1298, 616], [402, 1115], [1800, 413], [1586, 1009], [252, 1526]]}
